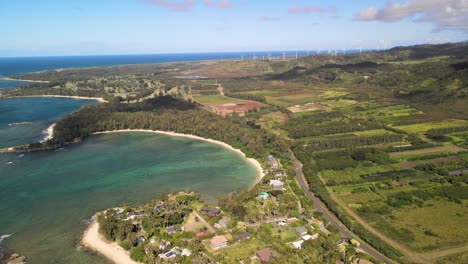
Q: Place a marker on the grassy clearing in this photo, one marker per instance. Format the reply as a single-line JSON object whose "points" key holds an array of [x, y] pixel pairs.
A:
{"points": [[288, 236], [412, 62], [271, 121], [438, 224], [424, 127], [217, 99], [267, 92], [293, 98], [239, 251]]}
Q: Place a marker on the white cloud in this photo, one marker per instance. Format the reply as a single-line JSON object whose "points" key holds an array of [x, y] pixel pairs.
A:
{"points": [[445, 15]]}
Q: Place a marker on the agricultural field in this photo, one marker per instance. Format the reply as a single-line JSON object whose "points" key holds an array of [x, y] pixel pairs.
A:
{"points": [[217, 99], [422, 128]]}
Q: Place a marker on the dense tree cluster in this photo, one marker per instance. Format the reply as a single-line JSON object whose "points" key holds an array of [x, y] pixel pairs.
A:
{"points": [[168, 114]]}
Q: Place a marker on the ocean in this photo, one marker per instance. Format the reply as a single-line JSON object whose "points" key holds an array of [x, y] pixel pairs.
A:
{"points": [[47, 198]]}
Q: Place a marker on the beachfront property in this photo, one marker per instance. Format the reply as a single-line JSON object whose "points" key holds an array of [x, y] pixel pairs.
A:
{"points": [[136, 215], [274, 163], [277, 185], [218, 242], [174, 252], [265, 255], [211, 211]]}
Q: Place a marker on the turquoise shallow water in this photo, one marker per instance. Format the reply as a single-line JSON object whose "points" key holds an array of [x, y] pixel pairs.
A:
{"points": [[45, 198], [39, 113]]}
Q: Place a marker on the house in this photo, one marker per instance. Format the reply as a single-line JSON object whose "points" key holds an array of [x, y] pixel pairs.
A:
{"points": [[298, 244], [218, 242], [164, 244], [301, 230], [242, 236], [223, 222], [152, 239], [186, 252], [309, 237], [174, 229], [274, 164], [211, 211], [140, 239], [174, 252], [276, 184], [363, 261], [291, 220], [279, 174], [282, 223], [200, 234], [265, 255]]}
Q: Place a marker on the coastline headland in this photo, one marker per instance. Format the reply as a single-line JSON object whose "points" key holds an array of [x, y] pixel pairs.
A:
{"points": [[112, 251]]}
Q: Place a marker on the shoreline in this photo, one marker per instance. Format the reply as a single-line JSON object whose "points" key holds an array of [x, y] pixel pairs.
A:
{"points": [[23, 80], [99, 99], [110, 250], [49, 133], [251, 161]]}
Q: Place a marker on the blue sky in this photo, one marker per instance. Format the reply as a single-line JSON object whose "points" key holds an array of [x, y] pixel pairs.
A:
{"points": [[56, 27]]}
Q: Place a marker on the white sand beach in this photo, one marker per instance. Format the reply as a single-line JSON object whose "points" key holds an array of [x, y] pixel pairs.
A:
{"points": [[22, 80], [99, 99], [95, 241]]}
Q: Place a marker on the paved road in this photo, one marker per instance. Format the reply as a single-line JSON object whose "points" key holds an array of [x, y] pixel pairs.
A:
{"points": [[329, 216]]}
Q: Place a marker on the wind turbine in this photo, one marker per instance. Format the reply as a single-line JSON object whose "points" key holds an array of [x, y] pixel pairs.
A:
{"points": [[269, 56], [255, 57], [344, 51], [284, 56], [296, 55]]}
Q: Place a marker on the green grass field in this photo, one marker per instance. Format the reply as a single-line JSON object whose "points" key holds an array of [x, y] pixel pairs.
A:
{"points": [[242, 250], [353, 174], [424, 127], [438, 224], [217, 99]]}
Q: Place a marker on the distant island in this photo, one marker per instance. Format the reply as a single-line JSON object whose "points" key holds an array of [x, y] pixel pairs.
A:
{"points": [[364, 155]]}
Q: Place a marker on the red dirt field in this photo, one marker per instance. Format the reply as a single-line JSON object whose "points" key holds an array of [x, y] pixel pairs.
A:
{"points": [[226, 109]]}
